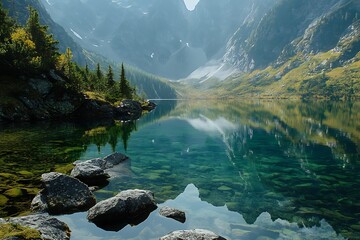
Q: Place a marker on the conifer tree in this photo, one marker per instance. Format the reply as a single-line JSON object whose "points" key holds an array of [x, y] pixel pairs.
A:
{"points": [[99, 74], [110, 77], [125, 89], [45, 44], [6, 25]]}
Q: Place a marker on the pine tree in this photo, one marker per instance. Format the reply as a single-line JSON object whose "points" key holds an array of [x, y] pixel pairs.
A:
{"points": [[6, 25], [125, 89], [99, 74], [110, 77], [45, 45]]}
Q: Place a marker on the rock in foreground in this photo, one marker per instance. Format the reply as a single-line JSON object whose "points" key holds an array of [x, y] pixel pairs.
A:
{"points": [[63, 194], [197, 234], [173, 213], [50, 228], [127, 207]]}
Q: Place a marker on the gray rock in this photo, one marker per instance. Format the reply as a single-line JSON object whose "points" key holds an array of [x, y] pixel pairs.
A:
{"points": [[173, 213], [127, 207], [90, 174], [114, 159], [99, 162], [197, 234], [63, 194], [42, 86], [38, 204], [50, 228], [106, 163]]}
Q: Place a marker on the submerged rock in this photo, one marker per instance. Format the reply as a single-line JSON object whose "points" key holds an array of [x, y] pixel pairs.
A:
{"points": [[50, 228], [90, 174], [173, 213], [197, 234], [127, 207], [63, 194], [107, 162], [114, 159]]}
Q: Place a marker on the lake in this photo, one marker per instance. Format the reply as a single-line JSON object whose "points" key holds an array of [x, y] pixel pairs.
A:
{"points": [[261, 169]]}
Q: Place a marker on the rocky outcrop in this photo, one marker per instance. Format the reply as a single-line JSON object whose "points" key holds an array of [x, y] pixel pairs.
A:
{"points": [[50, 228], [93, 109], [173, 213], [148, 106], [128, 110], [197, 234], [62, 194], [47, 96], [127, 207], [38, 98]]}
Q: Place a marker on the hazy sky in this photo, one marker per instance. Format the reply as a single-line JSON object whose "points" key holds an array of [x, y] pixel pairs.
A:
{"points": [[190, 4]]}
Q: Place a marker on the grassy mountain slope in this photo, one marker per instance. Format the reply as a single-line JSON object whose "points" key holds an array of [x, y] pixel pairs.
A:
{"points": [[284, 57]]}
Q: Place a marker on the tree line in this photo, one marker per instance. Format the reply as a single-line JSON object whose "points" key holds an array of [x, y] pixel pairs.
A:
{"points": [[30, 49]]}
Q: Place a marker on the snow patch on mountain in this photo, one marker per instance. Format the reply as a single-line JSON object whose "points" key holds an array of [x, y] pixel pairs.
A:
{"points": [[76, 34]]}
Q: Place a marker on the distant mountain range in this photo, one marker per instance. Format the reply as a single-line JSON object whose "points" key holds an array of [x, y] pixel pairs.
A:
{"points": [[267, 48], [158, 36]]}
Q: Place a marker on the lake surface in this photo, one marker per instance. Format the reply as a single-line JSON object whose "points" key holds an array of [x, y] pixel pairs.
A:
{"points": [[243, 169]]}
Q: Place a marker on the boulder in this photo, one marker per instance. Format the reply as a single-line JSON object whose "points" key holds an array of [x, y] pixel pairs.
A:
{"points": [[128, 110], [127, 207], [98, 162], [63, 194], [173, 213], [106, 162], [114, 159], [50, 228], [90, 174], [197, 234]]}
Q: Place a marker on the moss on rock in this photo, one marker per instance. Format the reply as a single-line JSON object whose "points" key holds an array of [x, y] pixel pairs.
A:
{"points": [[14, 230]]}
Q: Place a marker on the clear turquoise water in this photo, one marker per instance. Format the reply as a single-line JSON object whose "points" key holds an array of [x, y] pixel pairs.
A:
{"points": [[245, 170]]}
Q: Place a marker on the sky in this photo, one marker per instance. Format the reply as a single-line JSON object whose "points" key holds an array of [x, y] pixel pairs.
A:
{"points": [[191, 4]]}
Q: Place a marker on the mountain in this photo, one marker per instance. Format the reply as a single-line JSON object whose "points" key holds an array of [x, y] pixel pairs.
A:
{"points": [[159, 36], [298, 48]]}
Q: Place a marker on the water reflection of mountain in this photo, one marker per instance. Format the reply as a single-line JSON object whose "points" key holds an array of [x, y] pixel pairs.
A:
{"points": [[297, 160]]}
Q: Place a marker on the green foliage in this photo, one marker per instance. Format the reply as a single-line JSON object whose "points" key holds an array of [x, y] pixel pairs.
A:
{"points": [[31, 50], [10, 230], [45, 45], [110, 77], [126, 91], [6, 25]]}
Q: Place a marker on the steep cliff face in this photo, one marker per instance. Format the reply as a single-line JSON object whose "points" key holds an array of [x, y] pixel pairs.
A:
{"points": [[289, 28]]}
